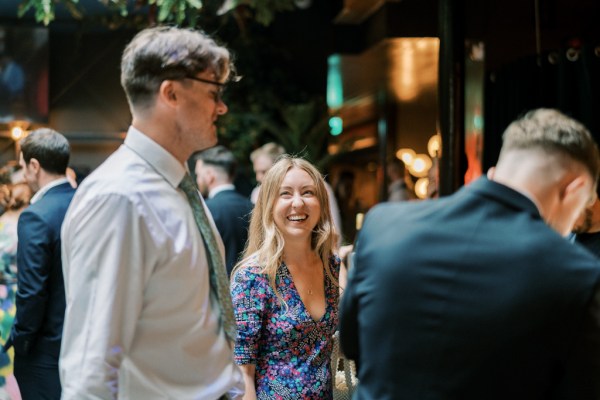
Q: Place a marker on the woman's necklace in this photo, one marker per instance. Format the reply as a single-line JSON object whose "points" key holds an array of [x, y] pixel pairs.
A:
{"points": [[309, 289]]}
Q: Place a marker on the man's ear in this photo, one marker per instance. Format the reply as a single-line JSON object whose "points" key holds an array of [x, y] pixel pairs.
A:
{"points": [[167, 92], [210, 175], [572, 185], [34, 165]]}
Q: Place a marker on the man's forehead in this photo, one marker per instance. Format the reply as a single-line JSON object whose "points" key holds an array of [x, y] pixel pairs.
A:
{"points": [[262, 162]]}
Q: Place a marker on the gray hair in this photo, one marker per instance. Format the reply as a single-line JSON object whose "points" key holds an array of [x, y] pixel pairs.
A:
{"points": [[161, 53], [220, 157]]}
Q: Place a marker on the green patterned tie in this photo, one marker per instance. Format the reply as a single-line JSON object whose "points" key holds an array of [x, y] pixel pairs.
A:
{"points": [[218, 275]]}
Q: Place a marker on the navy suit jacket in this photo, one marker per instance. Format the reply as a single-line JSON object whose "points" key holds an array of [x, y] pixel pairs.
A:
{"points": [[40, 296], [231, 212], [471, 297]]}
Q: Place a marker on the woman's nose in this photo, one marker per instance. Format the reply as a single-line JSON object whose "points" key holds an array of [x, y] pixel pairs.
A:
{"points": [[297, 201]]}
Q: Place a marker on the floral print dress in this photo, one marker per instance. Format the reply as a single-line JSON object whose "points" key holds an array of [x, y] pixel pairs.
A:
{"points": [[291, 351]]}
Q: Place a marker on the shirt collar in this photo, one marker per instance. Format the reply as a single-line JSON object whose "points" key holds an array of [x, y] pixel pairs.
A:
{"points": [[221, 188], [154, 154], [43, 190]]}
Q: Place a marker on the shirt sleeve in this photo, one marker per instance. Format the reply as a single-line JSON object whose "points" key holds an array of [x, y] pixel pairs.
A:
{"points": [[249, 294], [107, 260], [33, 259]]}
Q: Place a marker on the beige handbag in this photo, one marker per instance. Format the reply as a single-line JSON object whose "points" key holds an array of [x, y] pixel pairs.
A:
{"points": [[343, 372]]}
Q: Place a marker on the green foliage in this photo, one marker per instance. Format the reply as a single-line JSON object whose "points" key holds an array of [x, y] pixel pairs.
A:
{"points": [[301, 128], [265, 10], [44, 9], [269, 104], [170, 11]]}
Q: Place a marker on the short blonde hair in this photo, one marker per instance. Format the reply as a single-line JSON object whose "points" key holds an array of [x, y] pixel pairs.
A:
{"points": [[271, 150]]}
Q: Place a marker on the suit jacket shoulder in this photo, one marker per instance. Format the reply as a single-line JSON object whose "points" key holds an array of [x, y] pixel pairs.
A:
{"points": [[56, 200]]}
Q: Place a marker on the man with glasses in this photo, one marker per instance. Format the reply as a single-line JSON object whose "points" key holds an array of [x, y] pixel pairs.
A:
{"points": [[145, 316]]}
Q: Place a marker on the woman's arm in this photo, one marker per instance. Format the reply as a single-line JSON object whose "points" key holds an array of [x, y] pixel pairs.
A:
{"points": [[344, 252], [248, 296], [248, 370]]}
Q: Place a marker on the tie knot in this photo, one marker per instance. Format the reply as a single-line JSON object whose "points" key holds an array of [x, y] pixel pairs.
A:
{"points": [[187, 184]]}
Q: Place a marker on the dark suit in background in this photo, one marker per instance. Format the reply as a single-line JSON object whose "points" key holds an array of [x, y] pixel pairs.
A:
{"points": [[37, 331], [474, 296], [40, 298], [231, 212], [215, 170]]}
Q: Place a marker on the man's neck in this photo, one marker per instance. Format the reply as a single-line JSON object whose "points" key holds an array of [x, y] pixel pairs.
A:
{"points": [[47, 178]]}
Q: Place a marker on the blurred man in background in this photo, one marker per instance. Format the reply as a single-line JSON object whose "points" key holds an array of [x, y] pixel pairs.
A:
{"points": [[215, 171], [478, 295]]}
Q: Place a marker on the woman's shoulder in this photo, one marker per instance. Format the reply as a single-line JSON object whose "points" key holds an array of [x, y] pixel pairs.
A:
{"points": [[334, 260], [335, 263], [249, 269]]}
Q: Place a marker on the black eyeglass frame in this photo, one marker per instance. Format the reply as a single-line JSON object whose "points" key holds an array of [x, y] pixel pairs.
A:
{"points": [[195, 78]]}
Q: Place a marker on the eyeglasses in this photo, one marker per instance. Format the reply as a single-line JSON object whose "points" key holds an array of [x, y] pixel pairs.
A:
{"points": [[195, 78], [220, 85]]}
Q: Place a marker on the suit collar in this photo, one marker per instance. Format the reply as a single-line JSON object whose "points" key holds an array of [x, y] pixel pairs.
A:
{"points": [[503, 194], [221, 188], [40, 193]]}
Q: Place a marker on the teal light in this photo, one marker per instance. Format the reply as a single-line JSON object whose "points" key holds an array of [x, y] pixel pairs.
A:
{"points": [[335, 91], [336, 125], [478, 122]]}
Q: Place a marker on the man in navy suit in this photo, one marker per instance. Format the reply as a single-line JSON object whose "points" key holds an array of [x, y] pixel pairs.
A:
{"points": [[40, 300], [215, 171], [479, 295]]}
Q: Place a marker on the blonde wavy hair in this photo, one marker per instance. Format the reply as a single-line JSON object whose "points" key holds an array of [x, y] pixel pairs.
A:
{"points": [[265, 241]]}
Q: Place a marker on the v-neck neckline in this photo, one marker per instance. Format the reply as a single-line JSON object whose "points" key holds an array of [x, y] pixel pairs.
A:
{"points": [[304, 308]]}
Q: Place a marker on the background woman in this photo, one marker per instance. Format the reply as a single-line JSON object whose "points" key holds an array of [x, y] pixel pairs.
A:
{"points": [[285, 291], [14, 200]]}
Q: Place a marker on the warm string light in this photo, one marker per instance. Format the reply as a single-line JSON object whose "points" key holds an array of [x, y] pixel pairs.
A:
{"points": [[434, 145], [17, 133], [419, 165], [18, 129], [406, 155], [422, 187]]}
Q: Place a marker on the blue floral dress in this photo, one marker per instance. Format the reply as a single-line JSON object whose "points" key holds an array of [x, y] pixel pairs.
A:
{"points": [[291, 351], [8, 290]]}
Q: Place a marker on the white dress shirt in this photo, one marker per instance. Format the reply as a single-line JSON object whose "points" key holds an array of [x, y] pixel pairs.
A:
{"points": [[140, 321]]}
